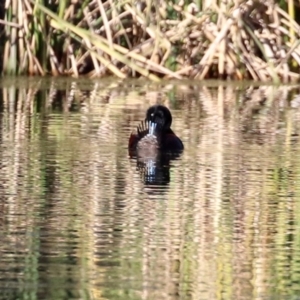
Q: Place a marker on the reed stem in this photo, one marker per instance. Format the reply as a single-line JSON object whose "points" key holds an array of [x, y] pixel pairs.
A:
{"points": [[151, 38]]}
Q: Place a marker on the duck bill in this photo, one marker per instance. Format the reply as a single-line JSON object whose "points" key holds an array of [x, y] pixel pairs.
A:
{"points": [[152, 127]]}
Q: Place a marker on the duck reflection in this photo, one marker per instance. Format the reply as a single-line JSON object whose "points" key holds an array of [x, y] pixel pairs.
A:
{"points": [[154, 146], [154, 170]]}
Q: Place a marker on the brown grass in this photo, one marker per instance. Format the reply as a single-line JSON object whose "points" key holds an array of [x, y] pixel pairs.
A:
{"points": [[246, 40]]}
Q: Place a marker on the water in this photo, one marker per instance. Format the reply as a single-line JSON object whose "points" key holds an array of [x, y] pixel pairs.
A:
{"points": [[79, 219]]}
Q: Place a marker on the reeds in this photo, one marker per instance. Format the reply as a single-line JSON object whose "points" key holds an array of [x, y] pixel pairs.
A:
{"points": [[233, 40]]}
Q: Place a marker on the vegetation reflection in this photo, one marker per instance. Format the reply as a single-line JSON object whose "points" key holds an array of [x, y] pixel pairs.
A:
{"points": [[77, 221]]}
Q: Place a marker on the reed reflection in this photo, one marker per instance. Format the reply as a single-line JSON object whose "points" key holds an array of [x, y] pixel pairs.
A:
{"points": [[74, 221]]}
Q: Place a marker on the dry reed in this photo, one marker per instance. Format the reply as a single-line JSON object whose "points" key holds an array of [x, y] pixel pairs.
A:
{"points": [[246, 40]]}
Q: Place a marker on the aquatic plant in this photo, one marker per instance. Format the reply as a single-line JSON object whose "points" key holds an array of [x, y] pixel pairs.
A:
{"points": [[228, 40]]}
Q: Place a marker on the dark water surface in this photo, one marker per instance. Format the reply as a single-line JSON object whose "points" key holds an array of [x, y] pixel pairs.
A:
{"points": [[79, 219]]}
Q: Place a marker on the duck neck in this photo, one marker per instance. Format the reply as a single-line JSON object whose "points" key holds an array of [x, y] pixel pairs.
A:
{"points": [[167, 131]]}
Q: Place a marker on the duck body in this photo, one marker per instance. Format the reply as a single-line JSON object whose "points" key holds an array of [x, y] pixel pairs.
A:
{"points": [[155, 135]]}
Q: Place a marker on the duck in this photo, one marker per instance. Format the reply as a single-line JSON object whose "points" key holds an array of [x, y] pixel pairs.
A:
{"points": [[154, 134]]}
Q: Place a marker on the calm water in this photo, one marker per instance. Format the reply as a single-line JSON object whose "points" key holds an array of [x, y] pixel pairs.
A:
{"points": [[79, 219]]}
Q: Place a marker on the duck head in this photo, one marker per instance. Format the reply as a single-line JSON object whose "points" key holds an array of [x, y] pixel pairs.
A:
{"points": [[159, 115]]}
